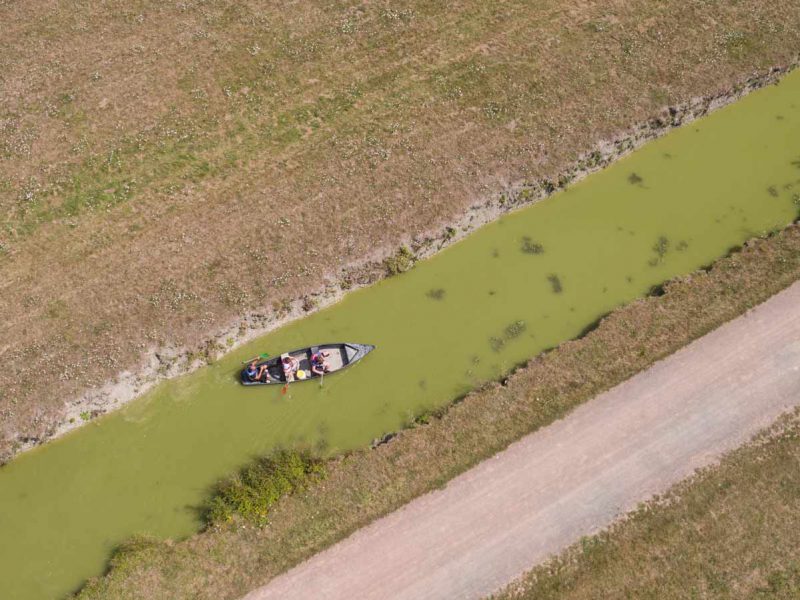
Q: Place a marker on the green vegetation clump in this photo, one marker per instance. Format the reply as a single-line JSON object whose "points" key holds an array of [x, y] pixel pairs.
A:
{"points": [[531, 247], [660, 248], [512, 330], [555, 283], [401, 262], [548, 186], [635, 179], [436, 294], [496, 343], [515, 329], [253, 491]]}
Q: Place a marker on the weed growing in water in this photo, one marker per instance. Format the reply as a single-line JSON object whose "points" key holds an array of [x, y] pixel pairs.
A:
{"points": [[436, 294], [555, 283], [661, 247], [635, 179], [682, 246], [515, 329], [531, 247], [772, 191], [512, 330]]}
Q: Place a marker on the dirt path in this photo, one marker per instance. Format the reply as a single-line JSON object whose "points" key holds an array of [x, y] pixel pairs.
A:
{"points": [[574, 477]]}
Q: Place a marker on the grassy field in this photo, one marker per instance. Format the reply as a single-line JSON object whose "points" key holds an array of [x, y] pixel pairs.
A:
{"points": [[732, 531], [233, 556], [151, 153]]}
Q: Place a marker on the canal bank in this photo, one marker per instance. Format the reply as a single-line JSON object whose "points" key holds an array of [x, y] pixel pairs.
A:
{"points": [[467, 316]]}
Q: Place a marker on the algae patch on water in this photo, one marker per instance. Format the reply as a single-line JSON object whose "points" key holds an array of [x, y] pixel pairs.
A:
{"points": [[555, 283], [660, 249], [529, 246], [436, 294], [511, 331]]}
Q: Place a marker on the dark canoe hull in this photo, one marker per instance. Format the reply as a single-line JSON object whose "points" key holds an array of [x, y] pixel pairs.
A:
{"points": [[340, 357]]}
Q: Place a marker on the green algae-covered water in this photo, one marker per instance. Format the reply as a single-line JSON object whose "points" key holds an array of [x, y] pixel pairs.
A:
{"points": [[521, 285]]}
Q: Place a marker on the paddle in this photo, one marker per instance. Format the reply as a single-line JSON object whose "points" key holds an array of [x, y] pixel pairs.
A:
{"points": [[263, 355]]}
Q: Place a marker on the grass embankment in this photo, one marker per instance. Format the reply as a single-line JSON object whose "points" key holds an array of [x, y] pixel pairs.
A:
{"points": [[231, 557], [153, 152], [732, 531]]}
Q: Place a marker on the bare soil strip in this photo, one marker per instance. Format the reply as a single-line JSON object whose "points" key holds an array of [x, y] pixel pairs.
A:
{"points": [[575, 476]]}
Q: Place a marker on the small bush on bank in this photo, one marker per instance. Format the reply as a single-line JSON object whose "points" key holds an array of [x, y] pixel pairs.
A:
{"points": [[401, 262], [253, 491]]}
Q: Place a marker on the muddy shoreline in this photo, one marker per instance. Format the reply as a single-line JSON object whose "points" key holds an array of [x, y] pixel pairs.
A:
{"points": [[164, 363]]}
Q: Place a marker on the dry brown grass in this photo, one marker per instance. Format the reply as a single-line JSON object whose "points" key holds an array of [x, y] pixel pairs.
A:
{"points": [[151, 152], [225, 562], [732, 531]]}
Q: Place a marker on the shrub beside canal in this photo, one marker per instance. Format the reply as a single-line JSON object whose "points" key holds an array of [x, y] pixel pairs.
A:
{"points": [[255, 489]]}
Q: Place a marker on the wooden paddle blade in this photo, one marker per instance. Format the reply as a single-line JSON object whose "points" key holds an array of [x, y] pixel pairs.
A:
{"points": [[284, 389]]}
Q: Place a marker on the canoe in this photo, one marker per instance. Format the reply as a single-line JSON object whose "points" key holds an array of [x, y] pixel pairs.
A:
{"points": [[340, 356]]}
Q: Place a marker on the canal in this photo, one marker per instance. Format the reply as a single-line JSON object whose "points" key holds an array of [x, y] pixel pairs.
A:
{"points": [[518, 286]]}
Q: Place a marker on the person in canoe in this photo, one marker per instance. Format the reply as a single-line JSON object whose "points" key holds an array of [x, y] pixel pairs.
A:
{"points": [[290, 365], [318, 364], [255, 373]]}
